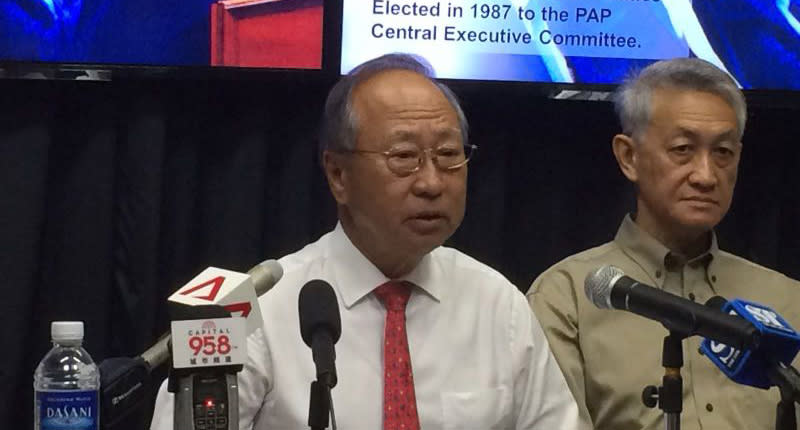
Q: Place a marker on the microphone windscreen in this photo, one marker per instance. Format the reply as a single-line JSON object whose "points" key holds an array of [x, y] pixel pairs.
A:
{"points": [[599, 283], [265, 275], [319, 310]]}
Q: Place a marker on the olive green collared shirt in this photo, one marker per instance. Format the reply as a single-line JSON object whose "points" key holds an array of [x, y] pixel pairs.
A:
{"points": [[609, 356]]}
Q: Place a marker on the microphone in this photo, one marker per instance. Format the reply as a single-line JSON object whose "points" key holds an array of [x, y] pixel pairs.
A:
{"points": [[769, 363], [123, 379], [209, 343], [320, 327], [264, 276], [608, 288], [236, 292]]}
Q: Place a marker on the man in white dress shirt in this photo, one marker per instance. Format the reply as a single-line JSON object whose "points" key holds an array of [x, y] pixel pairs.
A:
{"points": [[394, 150]]}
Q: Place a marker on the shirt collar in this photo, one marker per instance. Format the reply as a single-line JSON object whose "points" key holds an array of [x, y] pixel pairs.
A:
{"points": [[355, 276], [651, 255]]}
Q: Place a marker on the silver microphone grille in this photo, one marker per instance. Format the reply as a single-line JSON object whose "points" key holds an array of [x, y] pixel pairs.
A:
{"points": [[598, 285], [265, 275]]}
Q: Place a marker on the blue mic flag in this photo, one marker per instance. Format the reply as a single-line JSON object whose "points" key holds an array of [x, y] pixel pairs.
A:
{"points": [[780, 343]]}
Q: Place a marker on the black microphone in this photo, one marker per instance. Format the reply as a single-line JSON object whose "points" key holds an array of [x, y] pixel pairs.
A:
{"points": [[608, 288], [320, 327]]}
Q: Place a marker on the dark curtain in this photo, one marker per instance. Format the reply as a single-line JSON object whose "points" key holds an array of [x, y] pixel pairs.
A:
{"points": [[115, 194]]}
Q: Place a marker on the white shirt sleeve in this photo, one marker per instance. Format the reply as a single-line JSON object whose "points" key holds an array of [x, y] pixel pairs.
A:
{"points": [[254, 380], [162, 414]]}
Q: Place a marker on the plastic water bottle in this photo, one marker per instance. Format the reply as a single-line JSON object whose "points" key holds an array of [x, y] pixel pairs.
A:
{"points": [[66, 383]]}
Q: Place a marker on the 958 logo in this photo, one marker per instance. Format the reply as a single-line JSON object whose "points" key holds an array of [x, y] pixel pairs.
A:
{"points": [[212, 342], [209, 340]]}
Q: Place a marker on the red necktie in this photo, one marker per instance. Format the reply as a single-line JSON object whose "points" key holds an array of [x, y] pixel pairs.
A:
{"points": [[399, 403]]}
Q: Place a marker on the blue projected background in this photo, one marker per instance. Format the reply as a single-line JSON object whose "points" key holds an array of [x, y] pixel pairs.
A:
{"points": [[580, 41], [162, 32], [251, 33]]}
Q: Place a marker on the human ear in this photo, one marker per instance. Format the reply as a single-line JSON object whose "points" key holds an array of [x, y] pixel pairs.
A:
{"points": [[336, 174], [625, 152]]}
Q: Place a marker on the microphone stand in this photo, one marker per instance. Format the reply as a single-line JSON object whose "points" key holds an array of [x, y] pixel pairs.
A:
{"points": [[669, 396], [320, 406], [788, 381], [785, 418]]}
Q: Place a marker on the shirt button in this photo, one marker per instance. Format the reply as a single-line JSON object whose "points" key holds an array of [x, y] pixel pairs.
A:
{"points": [[713, 278], [691, 296], [700, 351], [709, 407], [658, 274]]}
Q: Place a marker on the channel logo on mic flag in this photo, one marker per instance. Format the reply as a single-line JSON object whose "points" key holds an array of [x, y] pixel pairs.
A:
{"points": [[779, 342], [211, 342], [232, 290]]}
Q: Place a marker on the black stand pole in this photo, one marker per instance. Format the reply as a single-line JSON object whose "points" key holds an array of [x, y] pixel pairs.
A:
{"points": [[785, 418], [669, 396], [788, 381], [319, 407]]}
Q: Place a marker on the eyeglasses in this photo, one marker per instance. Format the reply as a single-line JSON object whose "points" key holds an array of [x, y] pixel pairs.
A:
{"points": [[404, 160]]}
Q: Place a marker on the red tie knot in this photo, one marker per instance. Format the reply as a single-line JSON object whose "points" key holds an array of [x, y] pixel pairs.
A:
{"points": [[394, 295]]}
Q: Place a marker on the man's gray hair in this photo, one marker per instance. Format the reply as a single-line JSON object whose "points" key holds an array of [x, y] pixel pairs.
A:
{"points": [[339, 120], [632, 99]]}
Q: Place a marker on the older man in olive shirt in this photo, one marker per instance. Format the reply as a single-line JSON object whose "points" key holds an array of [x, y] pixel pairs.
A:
{"points": [[682, 125]]}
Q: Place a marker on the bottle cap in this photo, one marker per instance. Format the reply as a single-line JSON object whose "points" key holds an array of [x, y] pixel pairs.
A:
{"points": [[66, 330]]}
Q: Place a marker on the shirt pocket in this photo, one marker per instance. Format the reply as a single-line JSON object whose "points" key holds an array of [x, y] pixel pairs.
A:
{"points": [[483, 409]]}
